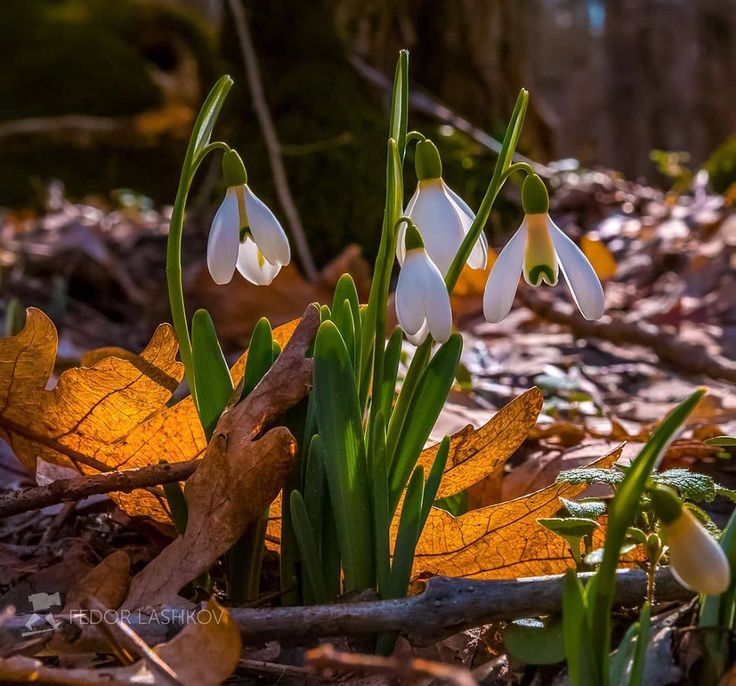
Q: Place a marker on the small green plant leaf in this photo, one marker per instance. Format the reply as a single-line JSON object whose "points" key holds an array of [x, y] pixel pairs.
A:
{"points": [[308, 547], [211, 373], [260, 355], [585, 475], [725, 441], [576, 527], [587, 509], [535, 642]]}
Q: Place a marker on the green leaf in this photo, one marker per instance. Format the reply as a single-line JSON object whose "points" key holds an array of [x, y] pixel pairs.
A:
{"points": [[178, 509], [433, 480], [725, 441], [308, 547], [642, 641], [391, 360], [315, 486], [691, 485], [428, 400], [591, 475], [570, 526], [342, 316], [211, 373], [621, 515], [407, 536], [587, 509], [345, 290], [576, 633], [535, 642], [621, 658], [341, 431], [379, 495], [400, 102], [206, 119], [260, 355]]}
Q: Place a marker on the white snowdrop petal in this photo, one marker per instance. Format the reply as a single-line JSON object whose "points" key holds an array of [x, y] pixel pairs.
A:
{"points": [[696, 558], [478, 258], [460, 203], [266, 229], [408, 297], [583, 282], [223, 241], [439, 222], [503, 281], [254, 266], [400, 247], [420, 336], [437, 307]]}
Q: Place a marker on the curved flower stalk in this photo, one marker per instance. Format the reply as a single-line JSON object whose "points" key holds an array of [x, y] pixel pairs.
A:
{"points": [[540, 250], [422, 301], [245, 234], [697, 560], [443, 216]]}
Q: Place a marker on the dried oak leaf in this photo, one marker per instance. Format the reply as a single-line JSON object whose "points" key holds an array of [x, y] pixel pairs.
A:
{"points": [[243, 469], [112, 414], [502, 541]]}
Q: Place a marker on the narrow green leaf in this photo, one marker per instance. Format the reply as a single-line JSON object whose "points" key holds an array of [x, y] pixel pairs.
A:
{"points": [[642, 641], [178, 509], [407, 536], [569, 526], [345, 290], [308, 547], [379, 495], [429, 398], [575, 632], [260, 355], [433, 480], [211, 373], [391, 359], [342, 316], [621, 659], [205, 122], [621, 515], [340, 428], [725, 441], [315, 486]]}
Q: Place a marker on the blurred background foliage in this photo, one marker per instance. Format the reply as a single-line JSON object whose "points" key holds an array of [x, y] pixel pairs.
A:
{"points": [[101, 95]]}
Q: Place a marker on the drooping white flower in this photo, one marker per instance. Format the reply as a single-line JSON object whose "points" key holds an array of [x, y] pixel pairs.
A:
{"points": [[422, 301], [245, 234], [442, 216], [697, 560], [540, 250]]}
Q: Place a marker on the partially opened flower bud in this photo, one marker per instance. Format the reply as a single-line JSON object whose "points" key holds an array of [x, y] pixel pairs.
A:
{"points": [[697, 560]]}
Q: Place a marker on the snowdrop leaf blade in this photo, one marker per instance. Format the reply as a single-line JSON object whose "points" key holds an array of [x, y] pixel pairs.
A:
{"points": [[224, 240], [266, 229], [211, 372], [501, 286], [583, 282], [308, 547], [260, 355], [425, 407], [341, 431]]}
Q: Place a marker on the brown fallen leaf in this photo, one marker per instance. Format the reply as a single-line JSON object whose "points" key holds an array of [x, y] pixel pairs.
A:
{"points": [[476, 453], [204, 653], [240, 474], [110, 415], [108, 582], [502, 541]]}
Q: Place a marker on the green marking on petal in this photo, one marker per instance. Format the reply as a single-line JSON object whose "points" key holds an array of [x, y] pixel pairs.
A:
{"points": [[542, 272], [245, 234]]}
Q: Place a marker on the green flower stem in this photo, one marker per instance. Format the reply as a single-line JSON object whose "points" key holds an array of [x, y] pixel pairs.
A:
{"points": [[503, 164], [501, 172]]}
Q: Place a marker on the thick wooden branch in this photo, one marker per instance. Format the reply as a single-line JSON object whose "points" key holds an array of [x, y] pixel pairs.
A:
{"points": [[447, 606], [70, 490]]}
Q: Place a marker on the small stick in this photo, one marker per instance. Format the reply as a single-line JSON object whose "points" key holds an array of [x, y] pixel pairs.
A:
{"points": [[70, 490], [326, 658]]}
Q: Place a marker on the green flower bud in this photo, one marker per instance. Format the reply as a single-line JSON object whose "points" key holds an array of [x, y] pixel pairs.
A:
{"points": [[413, 239], [667, 506], [534, 196], [233, 169], [427, 162]]}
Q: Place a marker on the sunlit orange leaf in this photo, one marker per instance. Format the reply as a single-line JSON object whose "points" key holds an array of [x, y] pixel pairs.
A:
{"points": [[477, 453], [599, 255], [110, 415], [501, 541]]}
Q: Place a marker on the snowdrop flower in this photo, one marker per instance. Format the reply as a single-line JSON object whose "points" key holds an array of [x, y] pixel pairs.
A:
{"points": [[245, 234], [422, 301], [442, 215], [540, 250], [697, 560]]}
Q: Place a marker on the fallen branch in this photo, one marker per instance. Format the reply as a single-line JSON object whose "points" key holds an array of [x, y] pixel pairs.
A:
{"points": [[446, 607], [690, 358], [71, 490]]}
